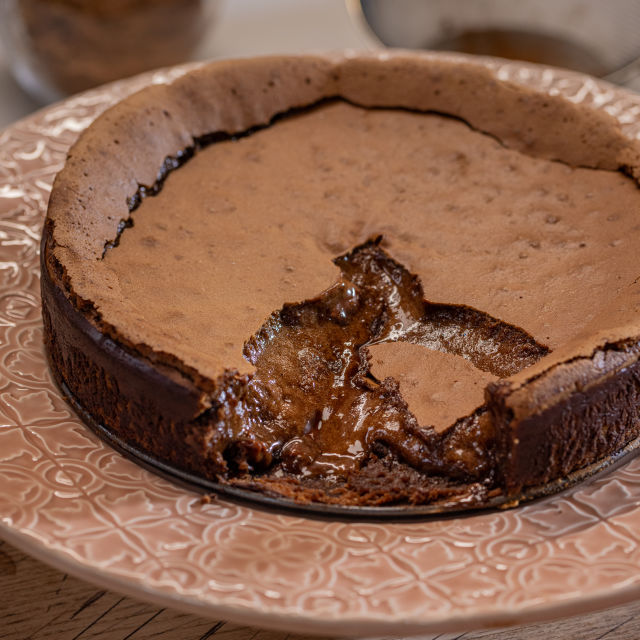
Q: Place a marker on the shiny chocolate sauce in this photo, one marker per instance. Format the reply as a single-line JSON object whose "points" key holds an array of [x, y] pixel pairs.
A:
{"points": [[314, 409]]}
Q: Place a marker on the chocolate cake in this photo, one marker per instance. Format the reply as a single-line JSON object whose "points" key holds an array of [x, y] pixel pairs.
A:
{"points": [[351, 280]]}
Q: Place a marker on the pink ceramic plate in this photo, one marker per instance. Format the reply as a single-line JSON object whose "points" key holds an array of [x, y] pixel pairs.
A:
{"points": [[72, 501]]}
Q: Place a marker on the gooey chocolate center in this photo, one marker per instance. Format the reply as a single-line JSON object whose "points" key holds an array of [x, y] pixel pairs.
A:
{"points": [[314, 407]]}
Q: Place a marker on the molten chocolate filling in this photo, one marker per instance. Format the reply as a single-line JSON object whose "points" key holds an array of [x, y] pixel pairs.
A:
{"points": [[313, 408]]}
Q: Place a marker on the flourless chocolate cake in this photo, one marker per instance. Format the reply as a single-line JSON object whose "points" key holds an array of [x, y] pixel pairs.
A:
{"points": [[355, 281]]}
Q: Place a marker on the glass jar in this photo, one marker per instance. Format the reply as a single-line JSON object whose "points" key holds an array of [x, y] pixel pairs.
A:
{"points": [[59, 47]]}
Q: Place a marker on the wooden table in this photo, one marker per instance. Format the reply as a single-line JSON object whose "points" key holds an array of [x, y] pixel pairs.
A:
{"points": [[38, 602]]}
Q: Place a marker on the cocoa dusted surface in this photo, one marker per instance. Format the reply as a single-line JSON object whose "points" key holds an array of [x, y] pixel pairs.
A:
{"points": [[439, 387], [250, 224]]}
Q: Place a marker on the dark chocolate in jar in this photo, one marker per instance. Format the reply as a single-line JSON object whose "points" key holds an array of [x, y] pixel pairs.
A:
{"points": [[72, 45]]}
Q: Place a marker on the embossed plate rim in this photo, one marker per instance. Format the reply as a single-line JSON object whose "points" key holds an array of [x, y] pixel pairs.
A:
{"points": [[355, 626]]}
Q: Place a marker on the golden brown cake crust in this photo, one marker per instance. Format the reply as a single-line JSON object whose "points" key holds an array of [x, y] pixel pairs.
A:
{"points": [[540, 192]]}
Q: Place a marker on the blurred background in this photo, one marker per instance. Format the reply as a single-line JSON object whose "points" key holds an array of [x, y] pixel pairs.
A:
{"points": [[56, 47], [50, 49]]}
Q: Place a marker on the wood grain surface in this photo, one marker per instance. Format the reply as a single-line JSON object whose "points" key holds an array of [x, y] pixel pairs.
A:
{"points": [[38, 602]]}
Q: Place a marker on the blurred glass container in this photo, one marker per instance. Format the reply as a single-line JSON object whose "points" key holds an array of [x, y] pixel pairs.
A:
{"points": [[593, 36], [59, 47]]}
